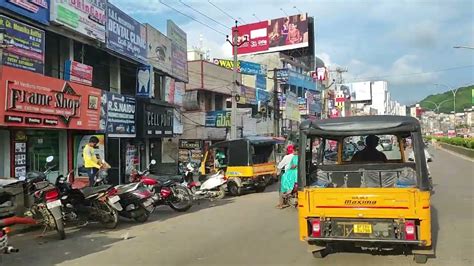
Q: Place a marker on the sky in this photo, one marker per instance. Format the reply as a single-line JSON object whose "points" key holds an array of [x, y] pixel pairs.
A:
{"points": [[407, 43]]}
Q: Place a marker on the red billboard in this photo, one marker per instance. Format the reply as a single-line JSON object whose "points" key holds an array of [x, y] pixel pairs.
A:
{"points": [[34, 100], [279, 34]]}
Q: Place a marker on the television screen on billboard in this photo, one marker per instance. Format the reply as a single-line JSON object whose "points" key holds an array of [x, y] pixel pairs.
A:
{"points": [[279, 34]]}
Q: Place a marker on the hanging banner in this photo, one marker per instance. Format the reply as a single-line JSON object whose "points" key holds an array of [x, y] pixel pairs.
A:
{"points": [[159, 49], [117, 115], [179, 57], [27, 45], [34, 100], [145, 82], [78, 72], [87, 17], [36, 10], [125, 35]]}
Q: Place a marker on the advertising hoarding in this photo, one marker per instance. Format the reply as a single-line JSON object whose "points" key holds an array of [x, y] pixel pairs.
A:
{"points": [[36, 10], [359, 91], [34, 100], [125, 35], [27, 51], [87, 17], [247, 95], [78, 72], [117, 116], [179, 56], [279, 34], [159, 49], [243, 67]]}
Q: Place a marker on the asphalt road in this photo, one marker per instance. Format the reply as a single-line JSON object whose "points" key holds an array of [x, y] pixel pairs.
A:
{"points": [[248, 230]]}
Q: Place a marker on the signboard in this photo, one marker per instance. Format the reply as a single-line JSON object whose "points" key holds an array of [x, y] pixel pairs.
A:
{"points": [[262, 95], [34, 100], [247, 95], [282, 75], [292, 110], [261, 82], [179, 91], [358, 91], [321, 73], [117, 115], [279, 34], [145, 82], [243, 67], [159, 49], [78, 72], [190, 144], [303, 105], [178, 127], [27, 51], [87, 17], [218, 119], [179, 56], [125, 35], [154, 120], [36, 10]]}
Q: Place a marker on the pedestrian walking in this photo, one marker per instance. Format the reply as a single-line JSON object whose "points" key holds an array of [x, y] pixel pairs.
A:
{"points": [[289, 178]]}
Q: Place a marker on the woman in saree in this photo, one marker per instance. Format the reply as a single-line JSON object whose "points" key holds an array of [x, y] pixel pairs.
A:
{"points": [[289, 178]]}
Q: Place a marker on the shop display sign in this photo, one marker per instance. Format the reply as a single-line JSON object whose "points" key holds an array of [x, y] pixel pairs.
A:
{"points": [[36, 10], [154, 120], [179, 57], [190, 144], [87, 17], [145, 81], [78, 72], [117, 115], [27, 45], [34, 100], [125, 35], [218, 119]]}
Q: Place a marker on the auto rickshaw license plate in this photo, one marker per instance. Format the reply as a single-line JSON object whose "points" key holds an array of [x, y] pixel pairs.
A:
{"points": [[362, 228]]}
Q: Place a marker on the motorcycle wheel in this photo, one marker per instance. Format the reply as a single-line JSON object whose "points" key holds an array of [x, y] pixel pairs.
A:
{"points": [[112, 220], [142, 218], [60, 229], [221, 193], [181, 194]]}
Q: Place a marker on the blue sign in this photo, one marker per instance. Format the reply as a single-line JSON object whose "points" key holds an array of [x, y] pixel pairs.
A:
{"points": [[37, 10], [119, 116], [300, 80], [282, 75], [261, 82], [218, 119], [145, 81], [125, 35], [250, 68], [27, 45], [262, 96]]}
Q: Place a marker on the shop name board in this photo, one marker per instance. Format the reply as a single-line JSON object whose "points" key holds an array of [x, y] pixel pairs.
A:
{"points": [[125, 35], [243, 67], [218, 119], [27, 49], [21, 98], [190, 144], [78, 72], [87, 17], [119, 118], [37, 10]]}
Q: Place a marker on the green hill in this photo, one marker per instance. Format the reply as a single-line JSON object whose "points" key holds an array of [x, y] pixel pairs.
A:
{"points": [[464, 99]]}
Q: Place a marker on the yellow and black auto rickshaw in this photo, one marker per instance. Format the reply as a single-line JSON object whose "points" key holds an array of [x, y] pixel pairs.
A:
{"points": [[358, 193], [248, 163]]}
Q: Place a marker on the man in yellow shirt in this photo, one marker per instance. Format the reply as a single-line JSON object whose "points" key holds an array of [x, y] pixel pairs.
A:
{"points": [[91, 163]]}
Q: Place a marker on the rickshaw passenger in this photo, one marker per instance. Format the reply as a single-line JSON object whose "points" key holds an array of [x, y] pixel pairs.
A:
{"points": [[370, 152]]}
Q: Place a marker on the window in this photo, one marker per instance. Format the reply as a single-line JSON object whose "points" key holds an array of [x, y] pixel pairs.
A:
{"points": [[386, 144], [219, 99]]}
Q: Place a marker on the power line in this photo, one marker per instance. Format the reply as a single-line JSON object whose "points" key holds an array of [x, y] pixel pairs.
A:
{"points": [[225, 13], [188, 16], [202, 14]]}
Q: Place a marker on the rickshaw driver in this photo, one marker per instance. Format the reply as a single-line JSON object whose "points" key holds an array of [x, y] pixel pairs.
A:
{"points": [[370, 152]]}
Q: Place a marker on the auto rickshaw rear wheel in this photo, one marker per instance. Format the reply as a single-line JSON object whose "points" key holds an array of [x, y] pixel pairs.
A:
{"points": [[234, 189], [320, 254], [420, 258], [260, 189]]}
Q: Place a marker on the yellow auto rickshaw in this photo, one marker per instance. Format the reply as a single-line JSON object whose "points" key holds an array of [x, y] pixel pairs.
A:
{"points": [[365, 196], [248, 163]]}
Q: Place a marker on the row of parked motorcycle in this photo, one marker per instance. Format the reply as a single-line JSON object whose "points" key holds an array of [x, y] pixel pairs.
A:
{"points": [[59, 204]]}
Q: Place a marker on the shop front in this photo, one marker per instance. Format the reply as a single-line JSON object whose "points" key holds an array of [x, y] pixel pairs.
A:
{"points": [[124, 152], [154, 122], [39, 116]]}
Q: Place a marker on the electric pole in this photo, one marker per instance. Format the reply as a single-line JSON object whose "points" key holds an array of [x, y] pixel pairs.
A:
{"points": [[276, 105], [235, 44]]}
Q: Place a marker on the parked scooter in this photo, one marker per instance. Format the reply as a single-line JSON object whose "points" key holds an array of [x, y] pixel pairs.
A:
{"points": [[213, 188], [43, 201], [100, 203], [167, 191], [137, 201]]}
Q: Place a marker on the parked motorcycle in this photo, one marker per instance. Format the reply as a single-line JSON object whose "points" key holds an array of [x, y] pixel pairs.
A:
{"points": [[43, 201], [5, 247], [100, 203], [213, 188], [167, 190], [137, 201]]}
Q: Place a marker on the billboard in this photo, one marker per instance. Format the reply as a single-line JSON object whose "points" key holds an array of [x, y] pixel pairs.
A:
{"points": [[158, 50], [243, 67], [125, 35], [27, 51], [78, 72], [37, 11], [34, 100], [279, 34], [87, 17], [358, 91], [179, 56]]}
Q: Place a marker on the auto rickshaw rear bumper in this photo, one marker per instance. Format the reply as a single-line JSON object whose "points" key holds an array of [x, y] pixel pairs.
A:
{"points": [[313, 240]]}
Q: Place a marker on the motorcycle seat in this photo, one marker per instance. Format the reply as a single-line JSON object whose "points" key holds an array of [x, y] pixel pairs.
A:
{"points": [[126, 188], [91, 191], [167, 179]]}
